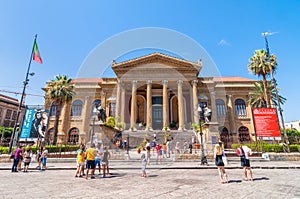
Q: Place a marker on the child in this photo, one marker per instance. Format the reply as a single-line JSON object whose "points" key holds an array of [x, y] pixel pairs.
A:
{"points": [[27, 158], [44, 158], [144, 163]]}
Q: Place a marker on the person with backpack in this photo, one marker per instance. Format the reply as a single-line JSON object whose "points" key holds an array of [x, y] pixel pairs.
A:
{"points": [[244, 152]]}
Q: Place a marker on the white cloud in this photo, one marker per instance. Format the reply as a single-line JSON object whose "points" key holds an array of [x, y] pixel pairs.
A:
{"points": [[223, 42]]}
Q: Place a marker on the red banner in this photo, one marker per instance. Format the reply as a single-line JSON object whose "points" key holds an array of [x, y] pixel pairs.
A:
{"points": [[266, 123]]}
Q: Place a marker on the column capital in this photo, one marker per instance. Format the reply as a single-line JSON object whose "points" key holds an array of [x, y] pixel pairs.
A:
{"points": [[149, 81], [134, 82], [195, 82], [229, 96], [179, 82], [164, 82], [213, 92], [103, 94]]}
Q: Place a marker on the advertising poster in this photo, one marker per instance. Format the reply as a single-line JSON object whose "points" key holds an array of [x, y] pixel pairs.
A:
{"points": [[34, 125], [266, 123]]}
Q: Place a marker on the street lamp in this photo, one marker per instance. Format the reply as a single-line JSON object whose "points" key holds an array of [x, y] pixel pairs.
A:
{"points": [[276, 92], [203, 157]]}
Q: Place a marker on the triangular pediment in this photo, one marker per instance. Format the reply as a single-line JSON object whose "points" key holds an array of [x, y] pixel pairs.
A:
{"points": [[157, 62]]}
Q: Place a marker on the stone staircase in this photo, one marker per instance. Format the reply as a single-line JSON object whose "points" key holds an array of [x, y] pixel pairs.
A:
{"points": [[136, 138]]}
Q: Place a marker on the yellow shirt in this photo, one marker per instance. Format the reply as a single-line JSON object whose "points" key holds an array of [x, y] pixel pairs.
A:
{"points": [[80, 157], [91, 154]]}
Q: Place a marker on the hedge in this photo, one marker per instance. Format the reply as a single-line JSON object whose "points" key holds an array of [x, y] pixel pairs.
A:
{"points": [[51, 149], [268, 147]]}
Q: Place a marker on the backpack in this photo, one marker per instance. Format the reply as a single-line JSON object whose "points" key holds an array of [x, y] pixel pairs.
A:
{"points": [[153, 144], [240, 152]]}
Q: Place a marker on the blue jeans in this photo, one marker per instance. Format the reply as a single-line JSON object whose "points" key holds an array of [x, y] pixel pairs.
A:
{"points": [[15, 164]]}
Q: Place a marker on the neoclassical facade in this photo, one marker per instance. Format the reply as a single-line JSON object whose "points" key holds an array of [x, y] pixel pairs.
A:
{"points": [[156, 92]]}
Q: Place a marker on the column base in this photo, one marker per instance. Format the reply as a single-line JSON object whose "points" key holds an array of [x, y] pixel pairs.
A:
{"points": [[149, 129]]}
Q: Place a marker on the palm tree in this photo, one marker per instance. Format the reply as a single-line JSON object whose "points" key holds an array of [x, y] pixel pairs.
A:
{"points": [[257, 97], [59, 90], [262, 65]]}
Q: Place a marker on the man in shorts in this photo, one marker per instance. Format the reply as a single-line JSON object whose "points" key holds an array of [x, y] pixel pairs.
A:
{"points": [[90, 154], [245, 152], [98, 157]]}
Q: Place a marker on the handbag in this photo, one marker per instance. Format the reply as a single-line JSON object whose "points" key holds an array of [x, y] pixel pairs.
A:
{"points": [[224, 158]]}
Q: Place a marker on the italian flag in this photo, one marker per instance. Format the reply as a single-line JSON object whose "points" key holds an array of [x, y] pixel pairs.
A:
{"points": [[36, 54]]}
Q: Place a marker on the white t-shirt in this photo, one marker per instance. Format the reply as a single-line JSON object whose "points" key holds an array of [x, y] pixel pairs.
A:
{"points": [[99, 153], [247, 151]]}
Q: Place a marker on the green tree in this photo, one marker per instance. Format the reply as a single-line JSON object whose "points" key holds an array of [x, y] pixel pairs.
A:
{"points": [[59, 90], [262, 65], [257, 98]]}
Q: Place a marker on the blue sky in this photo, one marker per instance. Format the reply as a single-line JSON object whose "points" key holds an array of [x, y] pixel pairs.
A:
{"points": [[230, 31]]}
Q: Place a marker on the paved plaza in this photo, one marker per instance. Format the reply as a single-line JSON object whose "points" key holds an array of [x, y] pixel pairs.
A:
{"points": [[166, 180]]}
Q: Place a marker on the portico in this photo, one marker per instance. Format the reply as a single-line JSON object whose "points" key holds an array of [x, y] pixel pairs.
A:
{"points": [[158, 89]]}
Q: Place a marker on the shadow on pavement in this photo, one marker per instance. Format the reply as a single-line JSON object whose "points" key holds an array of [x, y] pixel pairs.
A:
{"points": [[234, 181], [151, 176], [262, 178]]}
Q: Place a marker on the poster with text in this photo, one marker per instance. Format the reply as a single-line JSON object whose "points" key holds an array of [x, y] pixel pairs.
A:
{"points": [[34, 125], [266, 123]]}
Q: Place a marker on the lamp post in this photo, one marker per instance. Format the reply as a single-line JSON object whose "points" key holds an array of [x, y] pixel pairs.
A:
{"points": [[203, 157], [276, 92], [14, 136]]}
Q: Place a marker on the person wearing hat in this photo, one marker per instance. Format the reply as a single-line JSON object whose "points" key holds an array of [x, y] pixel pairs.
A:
{"points": [[218, 153]]}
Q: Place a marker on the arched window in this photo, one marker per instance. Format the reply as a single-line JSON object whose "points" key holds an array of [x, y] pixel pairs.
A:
{"points": [[73, 136], [49, 136], [221, 110], [95, 104], [112, 109], [240, 108], [244, 134], [53, 109], [224, 135], [76, 108]]}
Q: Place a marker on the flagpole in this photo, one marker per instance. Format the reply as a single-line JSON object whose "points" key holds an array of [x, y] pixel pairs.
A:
{"points": [[14, 136]]}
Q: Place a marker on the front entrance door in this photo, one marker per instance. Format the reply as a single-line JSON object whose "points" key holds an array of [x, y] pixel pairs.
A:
{"points": [[157, 117]]}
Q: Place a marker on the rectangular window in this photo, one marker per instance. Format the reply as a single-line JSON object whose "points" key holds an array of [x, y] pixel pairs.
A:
{"points": [[6, 123], [8, 114], [14, 116], [112, 109], [157, 100]]}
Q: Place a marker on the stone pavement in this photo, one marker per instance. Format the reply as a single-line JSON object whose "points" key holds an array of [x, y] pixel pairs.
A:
{"points": [[169, 179], [160, 183]]}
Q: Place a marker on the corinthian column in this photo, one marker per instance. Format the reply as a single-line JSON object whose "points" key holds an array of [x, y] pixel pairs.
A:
{"points": [[195, 101], [230, 114], [117, 113], [133, 105], [122, 111], [149, 105], [213, 106], [180, 105], [165, 104]]}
